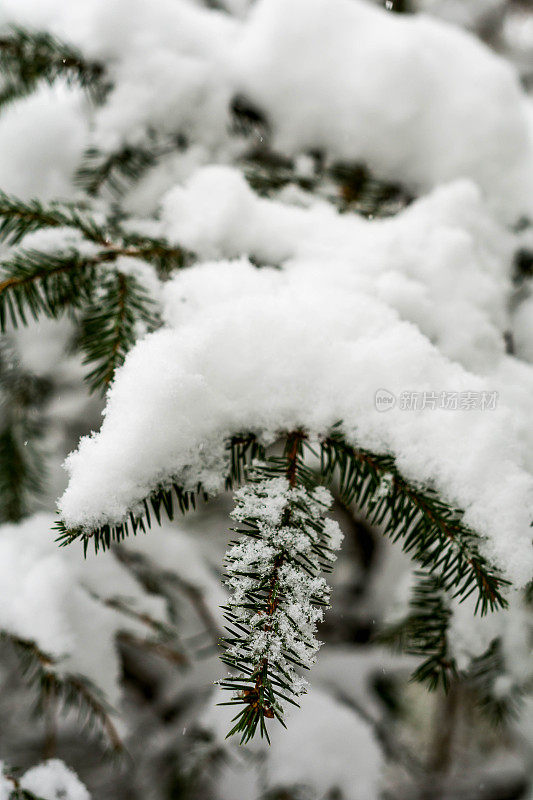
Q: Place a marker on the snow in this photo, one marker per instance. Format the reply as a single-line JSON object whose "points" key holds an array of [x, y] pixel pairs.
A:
{"points": [[325, 746], [442, 260], [47, 166], [56, 599], [430, 124], [176, 66], [288, 524], [51, 780], [412, 304]]}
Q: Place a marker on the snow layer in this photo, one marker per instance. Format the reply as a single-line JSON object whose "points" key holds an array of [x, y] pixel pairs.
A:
{"points": [[51, 596], [51, 780], [325, 746], [355, 81], [442, 260], [370, 86], [42, 164], [270, 350]]}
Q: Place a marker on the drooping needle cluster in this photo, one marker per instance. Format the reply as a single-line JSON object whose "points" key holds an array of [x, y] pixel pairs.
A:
{"points": [[278, 595]]}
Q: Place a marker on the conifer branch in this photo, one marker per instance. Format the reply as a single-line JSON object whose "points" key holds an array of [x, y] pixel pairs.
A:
{"points": [[262, 653], [22, 461], [277, 593], [37, 283], [484, 677], [17, 793], [71, 691], [20, 217], [29, 57], [34, 282], [429, 529], [242, 450], [348, 186], [424, 633], [114, 170], [111, 323]]}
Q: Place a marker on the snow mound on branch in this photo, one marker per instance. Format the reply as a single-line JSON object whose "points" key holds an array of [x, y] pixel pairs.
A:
{"points": [[54, 780], [340, 76], [43, 164], [442, 260], [268, 351], [51, 780], [370, 86], [51, 597]]}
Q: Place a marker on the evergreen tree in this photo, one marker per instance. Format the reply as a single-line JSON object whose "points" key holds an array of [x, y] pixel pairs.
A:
{"points": [[93, 262]]}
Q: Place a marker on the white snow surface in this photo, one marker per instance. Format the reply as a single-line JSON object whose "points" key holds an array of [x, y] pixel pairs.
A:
{"points": [[42, 164], [51, 596], [53, 780], [416, 303], [325, 746], [315, 68], [442, 260], [429, 125]]}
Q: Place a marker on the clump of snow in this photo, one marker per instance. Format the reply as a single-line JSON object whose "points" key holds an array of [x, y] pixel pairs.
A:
{"points": [[271, 350], [55, 598], [354, 81], [368, 86], [42, 164], [444, 263], [53, 780]]}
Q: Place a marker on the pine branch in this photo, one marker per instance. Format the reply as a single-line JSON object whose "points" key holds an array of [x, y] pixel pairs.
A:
{"points": [[165, 257], [484, 678], [71, 691], [45, 283], [36, 282], [22, 462], [430, 530], [20, 217], [277, 594], [162, 499], [110, 325], [424, 633], [349, 186], [242, 449], [29, 57], [116, 170]]}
